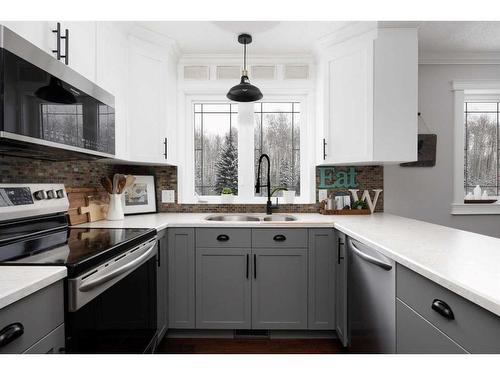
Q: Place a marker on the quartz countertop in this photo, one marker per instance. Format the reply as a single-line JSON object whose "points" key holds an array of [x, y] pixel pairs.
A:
{"points": [[17, 282], [463, 262]]}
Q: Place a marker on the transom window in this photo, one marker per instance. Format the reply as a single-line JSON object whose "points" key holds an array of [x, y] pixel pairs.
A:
{"points": [[481, 146]]}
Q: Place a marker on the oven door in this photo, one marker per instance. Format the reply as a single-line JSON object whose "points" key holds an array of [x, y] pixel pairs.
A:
{"points": [[112, 308]]}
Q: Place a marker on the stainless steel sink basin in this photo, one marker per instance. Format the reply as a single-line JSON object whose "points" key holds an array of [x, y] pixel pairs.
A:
{"points": [[279, 218], [232, 218]]}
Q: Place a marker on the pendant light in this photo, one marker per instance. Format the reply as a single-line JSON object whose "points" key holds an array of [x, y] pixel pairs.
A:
{"points": [[245, 91], [54, 92]]}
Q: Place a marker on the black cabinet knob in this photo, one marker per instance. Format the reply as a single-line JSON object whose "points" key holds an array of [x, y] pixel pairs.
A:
{"points": [[443, 309], [223, 237], [10, 333], [279, 238]]}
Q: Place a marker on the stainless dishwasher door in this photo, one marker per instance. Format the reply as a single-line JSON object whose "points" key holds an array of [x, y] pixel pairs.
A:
{"points": [[371, 300]]}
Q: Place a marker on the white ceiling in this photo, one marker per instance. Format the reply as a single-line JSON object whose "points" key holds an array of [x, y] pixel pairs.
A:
{"points": [[459, 36], [299, 37], [269, 37]]}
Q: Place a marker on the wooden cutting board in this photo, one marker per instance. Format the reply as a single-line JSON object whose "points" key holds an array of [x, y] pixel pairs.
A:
{"points": [[82, 197]]}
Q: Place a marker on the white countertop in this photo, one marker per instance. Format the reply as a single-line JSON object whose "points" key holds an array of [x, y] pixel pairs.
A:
{"points": [[464, 262], [17, 282]]}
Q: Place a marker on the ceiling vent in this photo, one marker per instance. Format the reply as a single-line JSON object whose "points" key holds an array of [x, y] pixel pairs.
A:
{"points": [[263, 72], [296, 72], [228, 72], [200, 73]]}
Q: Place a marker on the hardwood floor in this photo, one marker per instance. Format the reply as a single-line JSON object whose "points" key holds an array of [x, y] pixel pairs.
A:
{"points": [[249, 346]]}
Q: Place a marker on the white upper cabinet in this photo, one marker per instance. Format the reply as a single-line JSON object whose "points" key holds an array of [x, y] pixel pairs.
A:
{"points": [[151, 102], [37, 32], [82, 46], [368, 99]]}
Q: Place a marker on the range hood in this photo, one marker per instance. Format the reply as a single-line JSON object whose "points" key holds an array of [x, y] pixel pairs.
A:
{"points": [[47, 110]]}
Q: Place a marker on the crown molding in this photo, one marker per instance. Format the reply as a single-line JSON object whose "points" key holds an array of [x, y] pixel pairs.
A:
{"points": [[464, 58], [150, 36]]}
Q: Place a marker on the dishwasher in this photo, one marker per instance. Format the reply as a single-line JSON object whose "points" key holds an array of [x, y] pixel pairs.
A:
{"points": [[371, 300]]}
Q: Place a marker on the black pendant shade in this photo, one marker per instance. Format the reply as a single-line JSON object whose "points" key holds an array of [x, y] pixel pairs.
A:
{"points": [[55, 93], [244, 91]]}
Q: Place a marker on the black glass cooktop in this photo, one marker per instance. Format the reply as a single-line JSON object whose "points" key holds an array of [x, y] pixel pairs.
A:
{"points": [[76, 248]]}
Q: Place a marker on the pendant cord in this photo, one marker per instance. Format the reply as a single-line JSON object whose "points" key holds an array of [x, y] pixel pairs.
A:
{"points": [[245, 57]]}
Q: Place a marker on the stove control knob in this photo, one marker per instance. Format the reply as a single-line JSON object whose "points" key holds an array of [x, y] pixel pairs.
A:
{"points": [[60, 193], [51, 194], [39, 195]]}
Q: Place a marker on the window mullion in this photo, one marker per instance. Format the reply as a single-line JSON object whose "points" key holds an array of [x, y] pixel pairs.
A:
{"points": [[245, 151]]}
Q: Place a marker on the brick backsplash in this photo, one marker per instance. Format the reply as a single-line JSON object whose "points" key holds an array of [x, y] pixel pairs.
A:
{"points": [[85, 173]]}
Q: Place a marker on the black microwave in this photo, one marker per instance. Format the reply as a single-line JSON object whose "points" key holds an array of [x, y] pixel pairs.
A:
{"points": [[47, 110]]}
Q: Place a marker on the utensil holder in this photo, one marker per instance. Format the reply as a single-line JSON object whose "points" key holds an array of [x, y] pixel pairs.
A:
{"points": [[115, 210]]}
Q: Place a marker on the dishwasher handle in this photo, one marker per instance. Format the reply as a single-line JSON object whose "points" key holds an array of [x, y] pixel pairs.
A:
{"points": [[369, 258]]}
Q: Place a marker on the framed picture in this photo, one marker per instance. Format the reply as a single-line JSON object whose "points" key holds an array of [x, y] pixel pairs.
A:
{"points": [[140, 197]]}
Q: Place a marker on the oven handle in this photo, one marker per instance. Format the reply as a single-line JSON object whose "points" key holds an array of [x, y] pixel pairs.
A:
{"points": [[85, 287]]}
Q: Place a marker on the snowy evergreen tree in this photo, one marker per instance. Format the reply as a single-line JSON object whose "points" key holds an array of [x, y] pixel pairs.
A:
{"points": [[285, 174], [226, 167]]}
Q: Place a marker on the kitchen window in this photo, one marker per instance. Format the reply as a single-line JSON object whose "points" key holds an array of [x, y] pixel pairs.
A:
{"points": [[476, 144], [481, 146], [228, 139], [277, 133]]}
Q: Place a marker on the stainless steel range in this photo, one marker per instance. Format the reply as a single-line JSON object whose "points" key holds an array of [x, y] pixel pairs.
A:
{"points": [[111, 286]]}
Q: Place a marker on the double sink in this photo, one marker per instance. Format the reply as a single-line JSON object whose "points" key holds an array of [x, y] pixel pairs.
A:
{"points": [[244, 217]]}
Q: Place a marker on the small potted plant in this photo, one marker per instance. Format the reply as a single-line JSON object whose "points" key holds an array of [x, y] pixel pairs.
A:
{"points": [[360, 205], [227, 195]]}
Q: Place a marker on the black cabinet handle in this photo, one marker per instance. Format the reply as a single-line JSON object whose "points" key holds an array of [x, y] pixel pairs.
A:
{"points": [[248, 261], [10, 333], [66, 47], [324, 149], [339, 257], [279, 238], [165, 150], [442, 308], [223, 237], [57, 51], [255, 266]]}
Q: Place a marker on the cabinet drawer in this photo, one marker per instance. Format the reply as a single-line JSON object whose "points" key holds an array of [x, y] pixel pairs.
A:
{"points": [[223, 237], [415, 335], [53, 343], [474, 328], [279, 237], [39, 314]]}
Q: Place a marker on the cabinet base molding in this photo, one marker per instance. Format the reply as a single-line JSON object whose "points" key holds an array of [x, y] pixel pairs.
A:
{"points": [[232, 334]]}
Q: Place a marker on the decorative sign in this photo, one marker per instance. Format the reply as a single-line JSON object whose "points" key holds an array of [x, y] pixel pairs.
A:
{"points": [[331, 178]]}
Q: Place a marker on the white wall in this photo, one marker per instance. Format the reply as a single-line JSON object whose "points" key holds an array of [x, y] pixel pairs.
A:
{"points": [[426, 193]]}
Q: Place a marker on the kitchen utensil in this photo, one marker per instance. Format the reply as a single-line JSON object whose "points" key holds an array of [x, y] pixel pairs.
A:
{"points": [[122, 180], [107, 184], [130, 180], [115, 183]]}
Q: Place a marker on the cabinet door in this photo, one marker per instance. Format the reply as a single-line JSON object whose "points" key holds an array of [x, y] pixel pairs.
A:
{"points": [[82, 47], [147, 101], [415, 335], [322, 264], [112, 75], [162, 284], [279, 289], [341, 287], [37, 32], [223, 288], [349, 99], [181, 287]]}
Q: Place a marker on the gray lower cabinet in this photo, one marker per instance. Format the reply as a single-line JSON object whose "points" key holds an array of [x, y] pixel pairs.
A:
{"points": [[181, 278], [341, 287], [162, 284], [53, 343], [322, 266], [30, 320], [279, 288], [223, 288], [415, 335]]}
